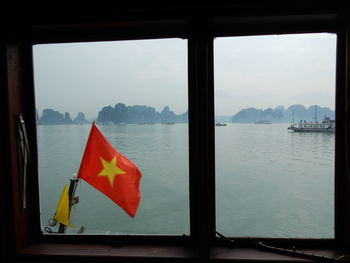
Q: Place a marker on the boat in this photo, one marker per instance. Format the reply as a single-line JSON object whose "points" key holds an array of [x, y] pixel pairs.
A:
{"points": [[220, 124], [327, 125], [262, 122], [168, 123]]}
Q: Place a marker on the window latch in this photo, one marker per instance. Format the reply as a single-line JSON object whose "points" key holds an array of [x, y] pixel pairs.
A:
{"points": [[24, 158]]}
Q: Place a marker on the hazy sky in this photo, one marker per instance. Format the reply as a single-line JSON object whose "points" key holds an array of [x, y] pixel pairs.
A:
{"points": [[87, 76], [259, 71], [268, 71]]}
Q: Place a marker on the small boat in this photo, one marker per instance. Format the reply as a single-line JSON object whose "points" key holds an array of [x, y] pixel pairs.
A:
{"points": [[327, 125], [168, 123], [220, 124], [262, 122]]}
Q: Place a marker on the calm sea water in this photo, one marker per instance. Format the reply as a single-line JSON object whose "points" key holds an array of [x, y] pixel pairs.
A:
{"points": [[269, 182]]}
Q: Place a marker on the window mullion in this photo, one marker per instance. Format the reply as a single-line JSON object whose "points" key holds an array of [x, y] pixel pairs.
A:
{"points": [[201, 134], [342, 203]]}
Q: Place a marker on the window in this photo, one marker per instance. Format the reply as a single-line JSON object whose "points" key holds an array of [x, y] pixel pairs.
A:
{"points": [[136, 91], [271, 182]]}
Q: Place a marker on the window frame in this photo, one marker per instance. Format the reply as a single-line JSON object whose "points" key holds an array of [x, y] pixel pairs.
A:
{"points": [[22, 228]]}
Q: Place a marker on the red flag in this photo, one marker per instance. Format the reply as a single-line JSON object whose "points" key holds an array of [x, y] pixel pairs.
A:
{"points": [[110, 172]]}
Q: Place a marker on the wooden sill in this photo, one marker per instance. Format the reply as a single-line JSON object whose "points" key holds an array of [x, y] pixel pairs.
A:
{"points": [[55, 250], [221, 254], [71, 252]]}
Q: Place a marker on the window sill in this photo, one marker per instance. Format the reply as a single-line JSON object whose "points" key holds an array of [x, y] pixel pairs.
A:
{"points": [[224, 254], [98, 251], [58, 251]]}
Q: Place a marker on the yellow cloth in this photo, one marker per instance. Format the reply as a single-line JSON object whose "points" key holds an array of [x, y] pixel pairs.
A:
{"points": [[62, 210]]}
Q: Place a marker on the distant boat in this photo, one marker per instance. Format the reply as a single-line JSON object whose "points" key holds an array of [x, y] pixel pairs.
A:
{"points": [[327, 125], [262, 122], [220, 124], [145, 123], [169, 123]]}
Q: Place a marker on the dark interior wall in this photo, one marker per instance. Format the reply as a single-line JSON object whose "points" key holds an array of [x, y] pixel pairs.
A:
{"points": [[20, 25]]}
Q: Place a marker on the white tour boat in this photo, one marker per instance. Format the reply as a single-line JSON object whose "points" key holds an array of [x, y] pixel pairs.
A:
{"points": [[327, 125]]}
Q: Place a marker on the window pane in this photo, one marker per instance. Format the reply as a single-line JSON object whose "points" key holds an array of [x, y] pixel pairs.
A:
{"points": [[136, 91], [271, 181]]}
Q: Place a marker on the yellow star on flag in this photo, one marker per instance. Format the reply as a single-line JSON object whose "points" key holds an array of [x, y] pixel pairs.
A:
{"points": [[110, 169]]}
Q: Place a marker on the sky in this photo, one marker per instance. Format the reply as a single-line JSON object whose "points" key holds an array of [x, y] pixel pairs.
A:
{"points": [[253, 71]]}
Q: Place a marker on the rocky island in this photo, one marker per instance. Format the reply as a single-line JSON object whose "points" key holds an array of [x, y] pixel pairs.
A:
{"points": [[282, 115], [140, 114], [52, 117]]}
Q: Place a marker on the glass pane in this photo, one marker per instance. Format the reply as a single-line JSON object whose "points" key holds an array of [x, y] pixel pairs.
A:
{"points": [[136, 91], [273, 181]]}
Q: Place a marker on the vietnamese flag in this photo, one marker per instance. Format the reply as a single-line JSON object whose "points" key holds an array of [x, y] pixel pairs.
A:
{"points": [[110, 172]]}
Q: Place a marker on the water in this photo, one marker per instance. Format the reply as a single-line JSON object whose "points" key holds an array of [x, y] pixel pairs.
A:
{"points": [[273, 183], [159, 151], [269, 182]]}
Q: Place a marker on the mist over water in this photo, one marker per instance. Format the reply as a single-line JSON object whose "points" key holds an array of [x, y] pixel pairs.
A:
{"points": [[269, 182]]}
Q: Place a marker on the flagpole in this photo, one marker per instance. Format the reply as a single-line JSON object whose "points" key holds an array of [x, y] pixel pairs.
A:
{"points": [[72, 200]]}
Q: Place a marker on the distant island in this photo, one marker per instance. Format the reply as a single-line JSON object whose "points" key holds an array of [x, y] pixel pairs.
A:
{"points": [[121, 113], [141, 114], [52, 117], [282, 115]]}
